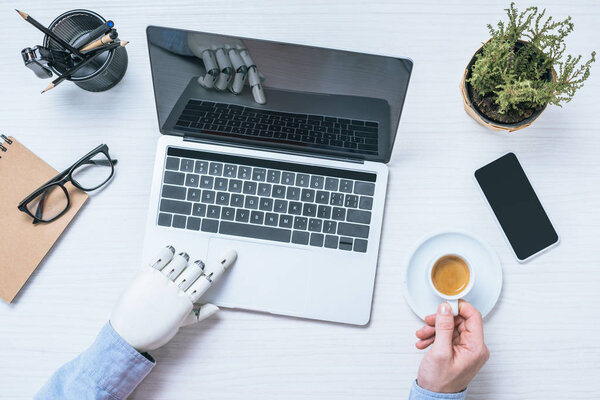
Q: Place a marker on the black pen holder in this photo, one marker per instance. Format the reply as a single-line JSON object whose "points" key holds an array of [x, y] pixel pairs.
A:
{"points": [[106, 70]]}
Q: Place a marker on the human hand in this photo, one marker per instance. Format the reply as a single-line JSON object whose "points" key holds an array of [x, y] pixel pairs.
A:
{"points": [[228, 63], [161, 298], [457, 349]]}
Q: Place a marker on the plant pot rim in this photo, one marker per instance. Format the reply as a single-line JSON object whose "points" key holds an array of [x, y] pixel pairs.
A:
{"points": [[497, 124]]}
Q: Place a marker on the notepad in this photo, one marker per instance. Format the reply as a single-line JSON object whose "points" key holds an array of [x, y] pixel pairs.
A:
{"points": [[23, 245]]}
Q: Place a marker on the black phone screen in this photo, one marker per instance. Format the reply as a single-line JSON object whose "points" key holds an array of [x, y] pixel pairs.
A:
{"points": [[516, 206]]}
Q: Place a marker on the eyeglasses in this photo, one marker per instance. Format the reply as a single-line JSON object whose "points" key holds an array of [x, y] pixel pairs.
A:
{"points": [[51, 200]]}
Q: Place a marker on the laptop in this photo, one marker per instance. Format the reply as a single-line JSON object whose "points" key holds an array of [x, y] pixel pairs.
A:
{"points": [[293, 179]]}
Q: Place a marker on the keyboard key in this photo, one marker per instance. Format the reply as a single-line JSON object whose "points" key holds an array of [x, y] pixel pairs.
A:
{"points": [[244, 172], [351, 201], [264, 189], [278, 192], [322, 197], [280, 206], [286, 221], [258, 174], [222, 198], [288, 178], [206, 182], [210, 225], [193, 194], [257, 217], [295, 208], [265, 204], [173, 192], [365, 203], [345, 243], [164, 219], [215, 169], [201, 167], [293, 193], [364, 217], [235, 186], [346, 186], [220, 184], [271, 219], [314, 225], [193, 224], [187, 165], [255, 231], [331, 184], [331, 242], [355, 230], [242, 215], [191, 180], [308, 195], [250, 187], [324, 212], [174, 178], [360, 245], [237, 200], [302, 180], [337, 199], [316, 182], [273, 176], [329, 227], [251, 202], [176, 206], [172, 163], [213, 212], [230, 170], [309, 210], [316, 239], [300, 223], [367, 188], [199, 209], [300, 237], [228, 213], [179, 221], [208, 196], [338, 213]]}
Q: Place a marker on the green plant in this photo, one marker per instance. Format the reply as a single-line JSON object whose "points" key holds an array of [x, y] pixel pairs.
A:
{"points": [[514, 66]]}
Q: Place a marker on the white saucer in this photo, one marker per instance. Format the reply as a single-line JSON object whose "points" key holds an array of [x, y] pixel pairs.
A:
{"points": [[484, 261]]}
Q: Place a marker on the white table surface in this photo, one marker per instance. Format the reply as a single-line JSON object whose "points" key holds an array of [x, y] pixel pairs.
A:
{"points": [[543, 333]]}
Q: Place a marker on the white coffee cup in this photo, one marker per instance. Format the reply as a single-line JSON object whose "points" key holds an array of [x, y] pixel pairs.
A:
{"points": [[452, 300]]}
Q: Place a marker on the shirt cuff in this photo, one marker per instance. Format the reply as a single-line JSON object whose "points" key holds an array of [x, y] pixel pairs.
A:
{"points": [[418, 393], [114, 365]]}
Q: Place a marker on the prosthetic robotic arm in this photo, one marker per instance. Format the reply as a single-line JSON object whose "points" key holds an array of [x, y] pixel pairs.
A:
{"points": [[161, 298]]}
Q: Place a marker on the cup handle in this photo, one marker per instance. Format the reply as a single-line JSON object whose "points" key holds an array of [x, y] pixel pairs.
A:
{"points": [[454, 305]]}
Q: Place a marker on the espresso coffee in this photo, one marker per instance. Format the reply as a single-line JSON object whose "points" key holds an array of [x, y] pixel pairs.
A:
{"points": [[450, 275]]}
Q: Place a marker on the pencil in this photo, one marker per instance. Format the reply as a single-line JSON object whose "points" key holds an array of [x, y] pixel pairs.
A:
{"points": [[48, 32], [82, 64], [109, 37]]}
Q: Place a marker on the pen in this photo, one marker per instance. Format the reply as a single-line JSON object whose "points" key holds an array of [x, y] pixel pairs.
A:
{"points": [[48, 32], [93, 34], [109, 46], [109, 37], [82, 64]]}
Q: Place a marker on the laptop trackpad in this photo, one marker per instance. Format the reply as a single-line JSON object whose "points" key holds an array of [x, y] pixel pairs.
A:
{"points": [[270, 278]]}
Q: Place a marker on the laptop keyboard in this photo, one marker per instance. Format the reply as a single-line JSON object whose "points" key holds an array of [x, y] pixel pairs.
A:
{"points": [[308, 130], [266, 199]]}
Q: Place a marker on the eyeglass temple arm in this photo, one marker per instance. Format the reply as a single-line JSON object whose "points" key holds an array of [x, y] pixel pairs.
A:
{"points": [[102, 162]]}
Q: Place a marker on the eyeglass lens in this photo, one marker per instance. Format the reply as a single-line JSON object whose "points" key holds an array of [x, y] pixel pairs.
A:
{"points": [[49, 204], [94, 172]]}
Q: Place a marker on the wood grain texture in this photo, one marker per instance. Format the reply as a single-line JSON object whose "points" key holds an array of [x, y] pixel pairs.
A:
{"points": [[542, 334]]}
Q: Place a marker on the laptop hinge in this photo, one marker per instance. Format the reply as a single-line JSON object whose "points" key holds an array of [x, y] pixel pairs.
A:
{"points": [[282, 151]]}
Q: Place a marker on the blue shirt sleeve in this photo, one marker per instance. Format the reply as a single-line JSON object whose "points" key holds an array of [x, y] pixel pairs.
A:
{"points": [[109, 369], [418, 393]]}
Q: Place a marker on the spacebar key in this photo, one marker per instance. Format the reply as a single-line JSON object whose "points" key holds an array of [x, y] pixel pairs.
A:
{"points": [[255, 231]]}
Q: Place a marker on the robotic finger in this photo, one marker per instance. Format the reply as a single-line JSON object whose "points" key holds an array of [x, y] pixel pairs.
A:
{"points": [[176, 266], [241, 71], [226, 70], [163, 258], [253, 77], [189, 275], [210, 275], [212, 70]]}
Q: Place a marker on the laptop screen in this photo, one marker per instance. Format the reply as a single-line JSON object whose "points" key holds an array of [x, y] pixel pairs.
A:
{"points": [[280, 96]]}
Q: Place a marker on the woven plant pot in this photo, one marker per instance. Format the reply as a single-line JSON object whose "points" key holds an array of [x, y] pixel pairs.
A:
{"points": [[472, 109]]}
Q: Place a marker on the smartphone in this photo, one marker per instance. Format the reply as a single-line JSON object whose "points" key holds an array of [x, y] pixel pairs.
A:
{"points": [[517, 208]]}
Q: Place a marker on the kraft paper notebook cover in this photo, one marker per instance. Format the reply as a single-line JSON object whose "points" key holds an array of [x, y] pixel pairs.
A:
{"points": [[23, 245]]}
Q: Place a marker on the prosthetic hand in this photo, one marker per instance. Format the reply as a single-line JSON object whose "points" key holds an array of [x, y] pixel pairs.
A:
{"points": [[161, 298], [228, 63]]}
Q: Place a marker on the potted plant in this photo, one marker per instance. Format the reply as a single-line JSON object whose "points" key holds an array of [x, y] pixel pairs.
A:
{"points": [[520, 70]]}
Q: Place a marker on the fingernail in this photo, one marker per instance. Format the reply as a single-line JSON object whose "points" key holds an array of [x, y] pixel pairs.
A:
{"points": [[445, 308]]}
